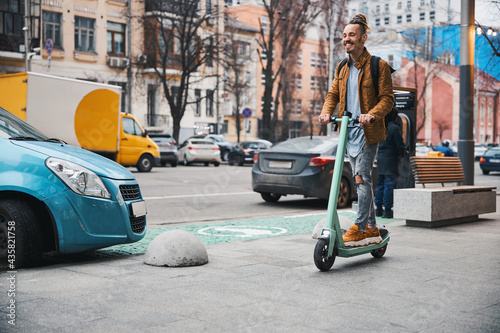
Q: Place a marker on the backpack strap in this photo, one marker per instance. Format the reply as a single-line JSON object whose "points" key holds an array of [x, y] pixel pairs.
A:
{"points": [[374, 70], [342, 64]]}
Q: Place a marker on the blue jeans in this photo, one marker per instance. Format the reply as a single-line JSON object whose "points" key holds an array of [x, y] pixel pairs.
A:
{"points": [[362, 165], [385, 191]]}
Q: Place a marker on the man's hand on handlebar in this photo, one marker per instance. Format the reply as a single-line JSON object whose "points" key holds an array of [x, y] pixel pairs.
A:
{"points": [[366, 119], [324, 118]]}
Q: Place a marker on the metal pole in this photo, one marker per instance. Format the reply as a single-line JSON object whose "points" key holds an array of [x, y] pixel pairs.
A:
{"points": [[217, 73], [466, 134], [26, 29], [129, 51]]}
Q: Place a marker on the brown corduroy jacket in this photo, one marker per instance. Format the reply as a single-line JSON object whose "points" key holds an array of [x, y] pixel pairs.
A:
{"points": [[368, 101]]}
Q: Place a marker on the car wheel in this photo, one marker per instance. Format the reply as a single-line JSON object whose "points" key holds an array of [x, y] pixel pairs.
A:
{"points": [[241, 161], [485, 172], [216, 164], [230, 161], [17, 218], [163, 164], [186, 163], [173, 164], [344, 194], [225, 156], [207, 164], [270, 197], [145, 163]]}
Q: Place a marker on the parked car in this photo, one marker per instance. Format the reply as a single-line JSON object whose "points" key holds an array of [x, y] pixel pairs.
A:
{"points": [[167, 147], [490, 161], [479, 150], [245, 151], [59, 198], [301, 166], [225, 146], [199, 151]]}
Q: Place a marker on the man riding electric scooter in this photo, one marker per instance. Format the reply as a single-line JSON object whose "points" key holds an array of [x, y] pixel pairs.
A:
{"points": [[353, 90]]}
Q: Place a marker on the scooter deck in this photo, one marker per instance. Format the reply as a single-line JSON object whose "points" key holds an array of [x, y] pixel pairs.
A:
{"points": [[346, 252]]}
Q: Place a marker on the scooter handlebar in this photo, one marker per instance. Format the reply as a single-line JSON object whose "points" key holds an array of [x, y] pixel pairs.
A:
{"points": [[355, 120]]}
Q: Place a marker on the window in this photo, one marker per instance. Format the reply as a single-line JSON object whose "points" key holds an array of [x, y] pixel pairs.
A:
{"points": [[408, 18], [319, 106], [400, 19], [209, 51], [387, 8], [298, 108], [390, 60], [84, 34], [386, 21], [422, 16], [52, 28], [299, 58], [299, 82], [263, 79], [123, 98], [324, 61], [151, 115], [167, 43], [432, 15], [131, 127], [313, 59], [263, 24], [247, 78], [377, 9], [422, 3], [210, 103], [116, 38], [400, 5], [295, 129], [313, 83], [11, 17], [197, 96], [208, 6], [408, 4], [432, 3], [377, 22]]}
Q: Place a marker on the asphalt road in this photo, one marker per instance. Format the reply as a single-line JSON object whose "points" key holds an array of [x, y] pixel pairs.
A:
{"points": [[197, 194]]}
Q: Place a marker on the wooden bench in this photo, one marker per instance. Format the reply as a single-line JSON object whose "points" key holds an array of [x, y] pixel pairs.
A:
{"points": [[433, 206]]}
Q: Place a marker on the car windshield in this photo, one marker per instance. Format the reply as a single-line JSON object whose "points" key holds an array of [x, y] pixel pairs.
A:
{"points": [[16, 128], [492, 152], [307, 145], [202, 142]]}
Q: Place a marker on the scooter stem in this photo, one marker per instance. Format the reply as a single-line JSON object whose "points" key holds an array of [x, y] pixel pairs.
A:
{"points": [[332, 219]]}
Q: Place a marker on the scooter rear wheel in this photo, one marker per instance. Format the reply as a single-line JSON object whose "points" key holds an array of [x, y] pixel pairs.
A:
{"points": [[321, 259], [379, 253]]}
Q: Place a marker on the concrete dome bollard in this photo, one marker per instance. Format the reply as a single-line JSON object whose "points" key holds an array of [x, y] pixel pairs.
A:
{"points": [[345, 224], [176, 248]]}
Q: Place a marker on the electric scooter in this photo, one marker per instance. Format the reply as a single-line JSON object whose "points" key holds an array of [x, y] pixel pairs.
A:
{"points": [[330, 244]]}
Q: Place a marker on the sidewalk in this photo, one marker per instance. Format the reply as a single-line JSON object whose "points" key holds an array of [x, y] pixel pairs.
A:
{"points": [[430, 280]]}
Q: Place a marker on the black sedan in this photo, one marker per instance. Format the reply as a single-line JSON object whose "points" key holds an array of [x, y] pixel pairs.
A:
{"points": [[490, 161], [245, 151], [301, 166]]}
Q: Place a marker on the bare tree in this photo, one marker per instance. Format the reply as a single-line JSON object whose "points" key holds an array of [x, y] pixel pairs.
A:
{"points": [[236, 58], [286, 24], [179, 40], [442, 125]]}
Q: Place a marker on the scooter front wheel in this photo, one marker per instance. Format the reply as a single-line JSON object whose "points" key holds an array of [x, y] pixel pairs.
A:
{"points": [[321, 259]]}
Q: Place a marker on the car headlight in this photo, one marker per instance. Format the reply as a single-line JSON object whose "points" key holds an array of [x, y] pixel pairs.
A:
{"points": [[78, 178]]}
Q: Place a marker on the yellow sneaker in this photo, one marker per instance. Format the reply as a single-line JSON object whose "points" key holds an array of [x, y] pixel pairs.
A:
{"points": [[354, 237], [373, 235]]}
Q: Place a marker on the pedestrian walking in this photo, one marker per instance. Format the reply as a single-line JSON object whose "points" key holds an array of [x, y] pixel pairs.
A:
{"points": [[389, 154]]}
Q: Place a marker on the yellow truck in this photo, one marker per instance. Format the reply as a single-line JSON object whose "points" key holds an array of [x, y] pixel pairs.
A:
{"points": [[82, 113]]}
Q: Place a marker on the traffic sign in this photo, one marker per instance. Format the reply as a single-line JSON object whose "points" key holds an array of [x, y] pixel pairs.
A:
{"points": [[247, 112], [49, 45]]}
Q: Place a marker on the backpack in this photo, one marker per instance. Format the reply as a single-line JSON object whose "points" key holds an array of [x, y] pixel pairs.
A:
{"points": [[374, 71]]}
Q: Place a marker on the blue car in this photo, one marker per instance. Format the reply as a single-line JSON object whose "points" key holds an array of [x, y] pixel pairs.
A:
{"points": [[59, 198], [490, 161]]}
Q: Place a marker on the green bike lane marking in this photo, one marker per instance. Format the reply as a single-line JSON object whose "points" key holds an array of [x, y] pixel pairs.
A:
{"points": [[232, 231]]}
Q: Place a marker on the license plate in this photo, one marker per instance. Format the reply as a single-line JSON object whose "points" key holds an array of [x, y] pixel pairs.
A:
{"points": [[280, 164], [138, 208], [495, 161]]}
